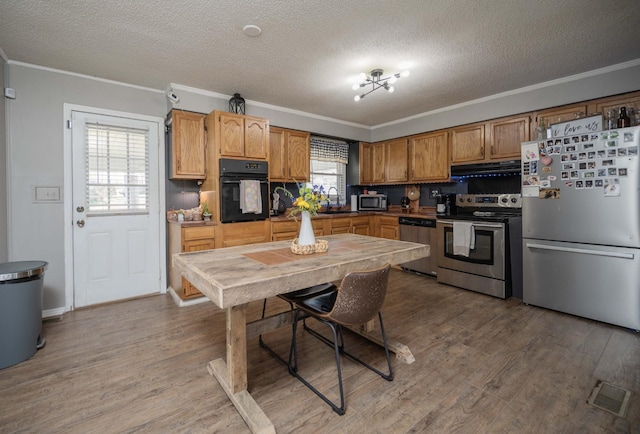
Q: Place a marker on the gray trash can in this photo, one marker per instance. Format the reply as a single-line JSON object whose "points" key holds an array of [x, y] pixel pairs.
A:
{"points": [[20, 310]]}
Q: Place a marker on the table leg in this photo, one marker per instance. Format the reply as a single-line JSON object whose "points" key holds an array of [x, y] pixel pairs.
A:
{"points": [[401, 351], [232, 375]]}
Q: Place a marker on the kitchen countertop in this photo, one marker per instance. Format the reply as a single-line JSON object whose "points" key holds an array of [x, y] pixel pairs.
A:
{"points": [[422, 213], [193, 223], [425, 212]]}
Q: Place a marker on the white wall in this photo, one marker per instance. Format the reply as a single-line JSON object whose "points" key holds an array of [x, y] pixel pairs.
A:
{"points": [[35, 151]]}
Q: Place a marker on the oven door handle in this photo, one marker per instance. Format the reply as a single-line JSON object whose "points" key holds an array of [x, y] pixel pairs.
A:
{"points": [[237, 181], [486, 225], [476, 224]]}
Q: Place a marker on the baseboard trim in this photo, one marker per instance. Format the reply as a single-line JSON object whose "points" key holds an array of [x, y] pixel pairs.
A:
{"points": [[48, 313], [184, 303]]}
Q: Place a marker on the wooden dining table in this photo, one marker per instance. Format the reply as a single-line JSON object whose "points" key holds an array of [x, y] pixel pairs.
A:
{"points": [[233, 277]]}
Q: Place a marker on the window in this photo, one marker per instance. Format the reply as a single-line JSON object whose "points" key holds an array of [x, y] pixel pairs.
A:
{"points": [[330, 174], [117, 175], [329, 160]]}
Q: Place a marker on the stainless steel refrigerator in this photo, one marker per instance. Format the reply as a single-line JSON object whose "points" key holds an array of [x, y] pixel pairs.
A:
{"points": [[581, 224]]}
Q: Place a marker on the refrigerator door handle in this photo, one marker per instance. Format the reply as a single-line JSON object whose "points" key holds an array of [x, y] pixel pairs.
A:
{"points": [[584, 251]]}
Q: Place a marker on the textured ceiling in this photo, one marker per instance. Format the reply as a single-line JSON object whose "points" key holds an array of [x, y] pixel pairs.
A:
{"points": [[310, 52]]}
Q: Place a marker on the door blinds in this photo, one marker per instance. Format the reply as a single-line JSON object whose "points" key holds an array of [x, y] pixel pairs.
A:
{"points": [[116, 170]]}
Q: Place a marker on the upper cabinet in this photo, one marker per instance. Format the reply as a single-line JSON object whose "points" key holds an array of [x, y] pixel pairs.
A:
{"points": [[429, 157], [396, 158], [467, 144], [188, 144], [611, 106], [558, 115], [383, 162], [506, 136], [489, 141], [241, 136], [288, 155], [365, 163]]}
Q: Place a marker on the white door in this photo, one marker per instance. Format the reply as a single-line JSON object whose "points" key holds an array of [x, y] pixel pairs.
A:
{"points": [[116, 241]]}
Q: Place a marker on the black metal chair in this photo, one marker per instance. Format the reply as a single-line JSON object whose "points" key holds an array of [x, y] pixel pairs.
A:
{"points": [[356, 301], [291, 298]]}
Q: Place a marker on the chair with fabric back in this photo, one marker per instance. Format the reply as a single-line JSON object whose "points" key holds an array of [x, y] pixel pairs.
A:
{"points": [[356, 301]]}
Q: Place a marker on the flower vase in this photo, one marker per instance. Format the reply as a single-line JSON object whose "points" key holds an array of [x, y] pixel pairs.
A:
{"points": [[306, 236]]}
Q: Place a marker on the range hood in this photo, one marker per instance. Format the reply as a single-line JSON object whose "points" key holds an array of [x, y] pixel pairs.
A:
{"points": [[487, 169]]}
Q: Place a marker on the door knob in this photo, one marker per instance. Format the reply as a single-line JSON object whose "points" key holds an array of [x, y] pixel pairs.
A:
{"points": [[80, 209], [80, 223]]}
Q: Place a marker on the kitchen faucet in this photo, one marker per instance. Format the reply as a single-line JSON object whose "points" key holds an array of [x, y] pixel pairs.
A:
{"points": [[329, 198]]}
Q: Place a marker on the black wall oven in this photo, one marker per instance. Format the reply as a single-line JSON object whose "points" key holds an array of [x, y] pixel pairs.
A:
{"points": [[232, 173]]}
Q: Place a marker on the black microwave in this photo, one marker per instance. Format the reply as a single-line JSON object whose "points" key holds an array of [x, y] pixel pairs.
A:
{"points": [[372, 202]]}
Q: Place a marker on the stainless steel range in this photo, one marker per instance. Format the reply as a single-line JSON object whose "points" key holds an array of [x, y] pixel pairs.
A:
{"points": [[480, 246]]}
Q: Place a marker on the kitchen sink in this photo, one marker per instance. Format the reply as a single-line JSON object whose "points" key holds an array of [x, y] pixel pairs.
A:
{"points": [[339, 211]]}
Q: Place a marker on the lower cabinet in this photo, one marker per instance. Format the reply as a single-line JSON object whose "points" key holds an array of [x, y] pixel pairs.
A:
{"points": [[240, 234], [288, 230], [361, 225], [184, 238], [387, 227], [340, 225]]}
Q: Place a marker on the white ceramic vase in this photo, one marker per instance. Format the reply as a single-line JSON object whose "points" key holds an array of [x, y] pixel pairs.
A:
{"points": [[306, 236]]}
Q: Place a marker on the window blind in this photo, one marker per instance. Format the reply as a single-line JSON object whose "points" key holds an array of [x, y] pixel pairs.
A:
{"points": [[116, 169]]}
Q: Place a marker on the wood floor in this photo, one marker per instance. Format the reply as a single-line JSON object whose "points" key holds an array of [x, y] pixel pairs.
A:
{"points": [[483, 365]]}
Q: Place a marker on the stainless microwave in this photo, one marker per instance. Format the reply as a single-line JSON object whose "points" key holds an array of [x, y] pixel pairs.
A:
{"points": [[372, 202]]}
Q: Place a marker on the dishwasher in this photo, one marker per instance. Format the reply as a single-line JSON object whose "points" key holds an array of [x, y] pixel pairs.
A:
{"points": [[420, 230]]}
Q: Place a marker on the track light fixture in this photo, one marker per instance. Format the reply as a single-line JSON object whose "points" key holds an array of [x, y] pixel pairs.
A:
{"points": [[377, 81]]}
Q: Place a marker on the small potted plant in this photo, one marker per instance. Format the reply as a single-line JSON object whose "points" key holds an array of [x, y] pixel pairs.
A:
{"points": [[205, 212]]}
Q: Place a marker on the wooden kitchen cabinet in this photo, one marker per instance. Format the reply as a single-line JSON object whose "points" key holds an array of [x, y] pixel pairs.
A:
{"points": [[340, 225], [284, 230], [192, 238], [613, 104], [365, 163], [289, 155], [387, 227], [288, 230], [396, 160], [495, 140], [241, 136], [372, 159], [188, 145], [243, 233], [361, 225], [506, 136], [557, 115], [467, 144], [378, 159], [429, 157], [383, 162]]}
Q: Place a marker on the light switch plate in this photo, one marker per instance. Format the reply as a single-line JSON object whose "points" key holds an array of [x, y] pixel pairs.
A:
{"points": [[46, 193], [10, 93]]}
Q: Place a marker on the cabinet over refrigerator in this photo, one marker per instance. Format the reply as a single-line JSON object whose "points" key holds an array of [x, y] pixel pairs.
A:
{"points": [[581, 223]]}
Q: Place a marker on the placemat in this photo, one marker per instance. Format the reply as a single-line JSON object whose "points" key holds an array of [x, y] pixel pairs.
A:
{"points": [[284, 255]]}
